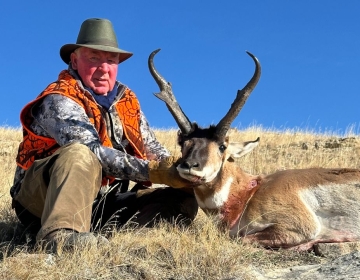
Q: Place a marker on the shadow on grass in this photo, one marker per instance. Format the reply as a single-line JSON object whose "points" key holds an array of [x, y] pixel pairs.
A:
{"points": [[15, 237]]}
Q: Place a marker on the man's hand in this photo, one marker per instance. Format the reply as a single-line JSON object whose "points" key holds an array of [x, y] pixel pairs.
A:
{"points": [[164, 172]]}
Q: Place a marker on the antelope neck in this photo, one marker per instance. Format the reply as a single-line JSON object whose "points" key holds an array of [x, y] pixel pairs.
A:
{"points": [[236, 203], [227, 202]]}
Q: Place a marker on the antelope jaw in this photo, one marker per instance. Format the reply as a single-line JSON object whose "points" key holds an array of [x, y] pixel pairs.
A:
{"points": [[193, 175]]}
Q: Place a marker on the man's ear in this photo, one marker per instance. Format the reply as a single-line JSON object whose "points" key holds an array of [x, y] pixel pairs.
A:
{"points": [[73, 59]]}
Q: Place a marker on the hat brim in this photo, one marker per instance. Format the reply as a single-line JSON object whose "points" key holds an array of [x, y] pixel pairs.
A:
{"points": [[66, 50]]}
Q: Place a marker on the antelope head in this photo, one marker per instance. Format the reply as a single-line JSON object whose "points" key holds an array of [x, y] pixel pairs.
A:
{"points": [[205, 150]]}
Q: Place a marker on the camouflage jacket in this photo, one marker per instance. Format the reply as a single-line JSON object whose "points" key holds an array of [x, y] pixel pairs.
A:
{"points": [[64, 120]]}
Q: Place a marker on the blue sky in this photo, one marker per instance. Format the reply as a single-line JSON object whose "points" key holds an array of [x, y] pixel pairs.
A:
{"points": [[309, 51]]}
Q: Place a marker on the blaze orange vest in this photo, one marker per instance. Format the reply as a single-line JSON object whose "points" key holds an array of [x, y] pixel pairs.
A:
{"points": [[35, 147]]}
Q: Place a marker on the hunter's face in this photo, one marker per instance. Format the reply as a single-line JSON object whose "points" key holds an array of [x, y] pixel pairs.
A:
{"points": [[97, 69]]}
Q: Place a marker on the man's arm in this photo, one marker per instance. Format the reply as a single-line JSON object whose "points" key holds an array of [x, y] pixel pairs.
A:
{"points": [[64, 120], [154, 149]]}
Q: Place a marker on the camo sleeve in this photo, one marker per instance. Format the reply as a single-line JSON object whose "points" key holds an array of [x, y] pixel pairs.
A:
{"points": [[154, 149], [64, 120]]}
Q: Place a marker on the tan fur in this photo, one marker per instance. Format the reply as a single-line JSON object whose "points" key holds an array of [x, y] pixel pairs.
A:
{"points": [[304, 207], [287, 209]]}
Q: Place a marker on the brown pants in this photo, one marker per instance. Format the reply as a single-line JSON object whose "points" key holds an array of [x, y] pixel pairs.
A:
{"points": [[60, 191]]}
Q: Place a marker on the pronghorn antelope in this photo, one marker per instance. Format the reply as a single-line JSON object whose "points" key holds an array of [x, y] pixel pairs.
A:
{"points": [[287, 209]]}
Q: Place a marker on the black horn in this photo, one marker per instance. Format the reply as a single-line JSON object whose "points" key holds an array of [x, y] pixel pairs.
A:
{"points": [[166, 95], [223, 126]]}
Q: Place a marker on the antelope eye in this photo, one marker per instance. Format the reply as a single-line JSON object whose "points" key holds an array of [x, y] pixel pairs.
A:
{"points": [[222, 148]]}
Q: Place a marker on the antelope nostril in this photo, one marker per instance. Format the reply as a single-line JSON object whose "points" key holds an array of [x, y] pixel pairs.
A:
{"points": [[189, 164], [185, 165]]}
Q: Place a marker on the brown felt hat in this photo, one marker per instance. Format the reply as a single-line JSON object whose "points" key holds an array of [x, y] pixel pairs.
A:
{"points": [[98, 34]]}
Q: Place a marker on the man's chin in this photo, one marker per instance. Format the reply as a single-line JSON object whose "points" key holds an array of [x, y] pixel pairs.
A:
{"points": [[101, 91], [101, 88]]}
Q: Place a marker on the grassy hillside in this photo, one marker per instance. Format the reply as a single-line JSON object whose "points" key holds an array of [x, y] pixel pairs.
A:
{"points": [[165, 252]]}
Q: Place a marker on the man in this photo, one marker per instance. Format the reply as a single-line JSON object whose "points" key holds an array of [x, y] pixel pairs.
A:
{"points": [[84, 138]]}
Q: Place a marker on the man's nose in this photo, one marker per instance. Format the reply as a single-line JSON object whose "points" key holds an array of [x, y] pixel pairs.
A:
{"points": [[104, 67]]}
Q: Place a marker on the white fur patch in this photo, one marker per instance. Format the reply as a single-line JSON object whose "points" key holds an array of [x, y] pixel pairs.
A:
{"points": [[333, 207], [218, 198], [210, 172]]}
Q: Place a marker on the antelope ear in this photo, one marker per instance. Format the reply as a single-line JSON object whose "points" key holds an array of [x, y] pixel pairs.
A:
{"points": [[237, 150]]}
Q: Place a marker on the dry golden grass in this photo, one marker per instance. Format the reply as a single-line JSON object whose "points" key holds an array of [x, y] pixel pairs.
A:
{"points": [[166, 252]]}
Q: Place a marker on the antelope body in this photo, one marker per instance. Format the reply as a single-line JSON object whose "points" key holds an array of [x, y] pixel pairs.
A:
{"points": [[287, 209]]}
